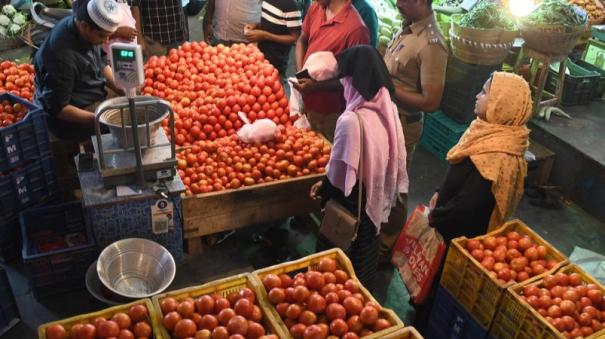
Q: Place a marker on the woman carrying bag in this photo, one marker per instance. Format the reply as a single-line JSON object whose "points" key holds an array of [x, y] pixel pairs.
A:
{"points": [[368, 155]]}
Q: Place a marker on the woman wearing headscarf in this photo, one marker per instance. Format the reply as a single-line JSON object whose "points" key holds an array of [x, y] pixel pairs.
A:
{"points": [[487, 168], [485, 181], [367, 87]]}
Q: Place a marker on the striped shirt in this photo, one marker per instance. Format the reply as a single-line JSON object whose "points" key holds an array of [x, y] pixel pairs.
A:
{"points": [[280, 17], [162, 20]]}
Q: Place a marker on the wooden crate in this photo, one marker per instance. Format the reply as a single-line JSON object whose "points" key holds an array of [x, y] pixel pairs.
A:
{"points": [[311, 262], [516, 319], [223, 287], [404, 333], [106, 313], [214, 212], [471, 284]]}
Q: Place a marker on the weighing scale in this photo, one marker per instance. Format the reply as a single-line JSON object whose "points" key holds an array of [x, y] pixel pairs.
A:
{"points": [[133, 155]]}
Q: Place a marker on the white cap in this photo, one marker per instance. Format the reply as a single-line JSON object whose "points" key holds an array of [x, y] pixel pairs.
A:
{"points": [[105, 13]]}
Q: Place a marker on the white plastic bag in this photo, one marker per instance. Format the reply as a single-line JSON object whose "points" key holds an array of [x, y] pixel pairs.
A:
{"points": [[261, 130]]}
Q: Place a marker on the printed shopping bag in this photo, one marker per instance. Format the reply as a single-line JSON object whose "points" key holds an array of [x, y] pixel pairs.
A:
{"points": [[418, 254]]}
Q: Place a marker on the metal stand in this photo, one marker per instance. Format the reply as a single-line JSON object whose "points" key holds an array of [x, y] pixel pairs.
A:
{"points": [[538, 76]]}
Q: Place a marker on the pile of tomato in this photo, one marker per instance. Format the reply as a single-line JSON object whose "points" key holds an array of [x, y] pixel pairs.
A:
{"points": [[208, 85], [323, 303], [214, 316], [227, 163], [133, 324], [17, 79], [510, 257], [573, 307], [11, 113]]}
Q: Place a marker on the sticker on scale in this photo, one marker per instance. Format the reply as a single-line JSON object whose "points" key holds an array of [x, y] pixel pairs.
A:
{"points": [[162, 212]]}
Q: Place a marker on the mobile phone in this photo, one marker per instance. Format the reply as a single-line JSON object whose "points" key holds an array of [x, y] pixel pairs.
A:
{"points": [[304, 74]]}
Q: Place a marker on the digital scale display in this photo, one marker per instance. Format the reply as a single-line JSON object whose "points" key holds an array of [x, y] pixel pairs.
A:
{"points": [[127, 65], [127, 54]]}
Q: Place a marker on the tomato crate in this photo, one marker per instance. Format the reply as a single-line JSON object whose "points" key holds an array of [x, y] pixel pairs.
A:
{"points": [[27, 185], [24, 140], [58, 247], [449, 319], [107, 314], [404, 333], [224, 287], [471, 284], [9, 312], [310, 263], [440, 133], [516, 319]]}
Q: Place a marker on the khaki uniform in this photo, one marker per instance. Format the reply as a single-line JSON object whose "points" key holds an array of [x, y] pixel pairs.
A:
{"points": [[416, 56]]}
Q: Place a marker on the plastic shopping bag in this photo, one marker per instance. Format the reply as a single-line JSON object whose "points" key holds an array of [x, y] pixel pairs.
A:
{"points": [[262, 130], [418, 254]]}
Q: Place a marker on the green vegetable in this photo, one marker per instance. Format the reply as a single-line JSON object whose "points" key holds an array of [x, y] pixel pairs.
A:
{"points": [[386, 31], [383, 40], [487, 15], [557, 12]]}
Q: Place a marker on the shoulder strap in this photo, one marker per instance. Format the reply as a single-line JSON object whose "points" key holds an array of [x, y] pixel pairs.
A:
{"points": [[360, 176]]}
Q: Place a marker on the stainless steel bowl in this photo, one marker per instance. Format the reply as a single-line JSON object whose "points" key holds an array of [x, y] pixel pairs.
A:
{"points": [[136, 268], [123, 136]]}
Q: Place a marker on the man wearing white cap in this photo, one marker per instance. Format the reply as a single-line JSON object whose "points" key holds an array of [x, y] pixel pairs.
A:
{"points": [[72, 77]]}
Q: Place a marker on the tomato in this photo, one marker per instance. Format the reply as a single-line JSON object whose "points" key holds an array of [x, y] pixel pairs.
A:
{"points": [[108, 328], [56, 332], [122, 319], [143, 330]]}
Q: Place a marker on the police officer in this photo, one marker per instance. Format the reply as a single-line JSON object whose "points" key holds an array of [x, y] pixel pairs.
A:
{"points": [[416, 59]]}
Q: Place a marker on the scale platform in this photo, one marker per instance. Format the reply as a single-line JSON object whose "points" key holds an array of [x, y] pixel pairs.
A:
{"points": [[120, 164]]}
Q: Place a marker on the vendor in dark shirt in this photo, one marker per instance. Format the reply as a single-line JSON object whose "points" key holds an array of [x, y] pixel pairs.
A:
{"points": [[72, 77], [485, 181]]}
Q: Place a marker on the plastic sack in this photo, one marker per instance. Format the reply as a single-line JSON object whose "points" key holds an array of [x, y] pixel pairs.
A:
{"points": [[418, 254], [262, 130]]}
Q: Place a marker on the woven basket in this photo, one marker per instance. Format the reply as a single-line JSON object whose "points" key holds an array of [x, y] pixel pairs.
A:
{"points": [[480, 46], [10, 43], [553, 40]]}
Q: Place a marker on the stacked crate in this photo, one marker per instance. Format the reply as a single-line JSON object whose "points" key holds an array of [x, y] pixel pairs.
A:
{"points": [[440, 133], [27, 170]]}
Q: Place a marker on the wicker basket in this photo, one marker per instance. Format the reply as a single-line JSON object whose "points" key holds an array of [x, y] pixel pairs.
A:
{"points": [[480, 46], [10, 43], [553, 40]]}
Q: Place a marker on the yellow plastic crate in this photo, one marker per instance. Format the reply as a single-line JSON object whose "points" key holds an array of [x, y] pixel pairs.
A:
{"points": [[516, 319], [470, 283], [106, 313], [223, 287], [311, 262], [404, 333]]}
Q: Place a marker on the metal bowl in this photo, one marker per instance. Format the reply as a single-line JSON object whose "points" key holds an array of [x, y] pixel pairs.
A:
{"points": [[136, 268], [123, 135]]}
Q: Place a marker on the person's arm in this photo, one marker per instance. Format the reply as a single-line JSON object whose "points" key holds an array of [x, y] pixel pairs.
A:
{"points": [[108, 74], [473, 195], [305, 86], [433, 63], [207, 23], [257, 35], [301, 49], [136, 14], [74, 114], [125, 32]]}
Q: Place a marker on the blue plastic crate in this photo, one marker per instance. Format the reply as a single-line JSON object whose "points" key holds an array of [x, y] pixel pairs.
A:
{"points": [[9, 312], [64, 268], [440, 134], [449, 320], [10, 239], [25, 140], [27, 185]]}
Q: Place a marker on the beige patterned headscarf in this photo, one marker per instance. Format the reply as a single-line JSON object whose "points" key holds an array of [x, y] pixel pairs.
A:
{"points": [[497, 144]]}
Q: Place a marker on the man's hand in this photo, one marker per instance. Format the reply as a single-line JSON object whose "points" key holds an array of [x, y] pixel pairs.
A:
{"points": [[255, 35], [433, 201], [315, 189], [305, 86], [125, 32]]}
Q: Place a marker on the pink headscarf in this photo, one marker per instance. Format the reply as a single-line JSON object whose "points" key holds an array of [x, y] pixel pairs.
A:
{"points": [[385, 174]]}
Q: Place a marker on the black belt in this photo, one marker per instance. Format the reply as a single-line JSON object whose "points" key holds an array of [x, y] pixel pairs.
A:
{"points": [[410, 119]]}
